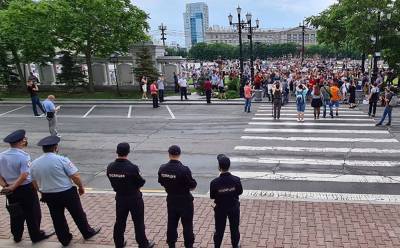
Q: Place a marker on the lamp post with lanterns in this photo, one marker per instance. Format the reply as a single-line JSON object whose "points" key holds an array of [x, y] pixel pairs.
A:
{"points": [[250, 37], [241, 24]]}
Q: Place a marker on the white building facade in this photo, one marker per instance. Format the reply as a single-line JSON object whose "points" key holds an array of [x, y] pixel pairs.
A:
{"points": [[196, 22], [229, 35]]}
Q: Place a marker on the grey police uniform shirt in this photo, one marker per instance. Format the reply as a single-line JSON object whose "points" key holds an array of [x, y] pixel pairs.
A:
{"points": [[52, 172], [14, 162]]}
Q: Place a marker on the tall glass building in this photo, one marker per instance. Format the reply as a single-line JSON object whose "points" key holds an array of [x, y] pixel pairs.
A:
{"points": [[196, 23]]}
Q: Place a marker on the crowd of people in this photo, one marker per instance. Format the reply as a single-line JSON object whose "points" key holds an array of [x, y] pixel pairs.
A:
{"points": [[324, 84]]}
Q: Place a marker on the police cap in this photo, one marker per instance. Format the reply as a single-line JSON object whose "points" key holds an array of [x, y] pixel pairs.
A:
{"points": [[49, 141], [174, 150], [15, 136]]}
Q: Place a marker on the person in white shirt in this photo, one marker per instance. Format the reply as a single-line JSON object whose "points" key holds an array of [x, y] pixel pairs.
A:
{"points": [[183, 86]]}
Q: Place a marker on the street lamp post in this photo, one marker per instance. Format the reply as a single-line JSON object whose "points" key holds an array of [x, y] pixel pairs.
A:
{"points": [[303, 31], [114, 60], [239, 24], [250, 37]]}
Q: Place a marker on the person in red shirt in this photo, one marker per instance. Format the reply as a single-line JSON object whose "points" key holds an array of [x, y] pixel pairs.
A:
{"points": [[247, 96], [154, 94], [257, 81], [208, 90]]}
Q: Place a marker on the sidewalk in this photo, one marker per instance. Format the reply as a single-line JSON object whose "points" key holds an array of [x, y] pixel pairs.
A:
{"points": [[264, 223]]}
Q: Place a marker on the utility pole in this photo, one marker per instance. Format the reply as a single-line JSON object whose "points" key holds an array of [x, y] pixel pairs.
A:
{"points": [[163, 28]]}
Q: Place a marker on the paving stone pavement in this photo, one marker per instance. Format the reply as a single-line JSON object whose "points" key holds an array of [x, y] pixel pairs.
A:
{"points": [[264, 223]]}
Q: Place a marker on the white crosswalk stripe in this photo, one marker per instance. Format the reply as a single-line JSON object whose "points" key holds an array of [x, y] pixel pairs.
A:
{"points": [[358, 153], [321, 196], [299, 124], [304, 161], [321, 139], [317, 149], [316, 177], [324, 131]]}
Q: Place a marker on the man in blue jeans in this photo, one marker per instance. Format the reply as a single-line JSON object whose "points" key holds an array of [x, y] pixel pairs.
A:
{"points": [[388, 107], [33, 91]]}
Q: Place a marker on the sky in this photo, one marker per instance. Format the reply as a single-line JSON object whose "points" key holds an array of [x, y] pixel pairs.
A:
{"points": [[272, 13]]}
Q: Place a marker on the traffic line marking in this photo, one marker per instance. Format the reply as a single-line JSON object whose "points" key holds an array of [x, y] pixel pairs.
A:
{"points": [[320, 196], [13, 110], [316, 177], [272, 123], [320, 120], [90, 110], [312, 114], [170, 112], [321, 139], [326, 131], [306, 161], [129, 112], [317, 149]]}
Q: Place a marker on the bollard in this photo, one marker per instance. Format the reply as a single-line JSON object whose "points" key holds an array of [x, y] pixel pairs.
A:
{"points": [[258, 95]]}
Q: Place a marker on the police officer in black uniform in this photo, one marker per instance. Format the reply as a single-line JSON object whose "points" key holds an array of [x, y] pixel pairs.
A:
{"points": [[126, 182], [225, 191], [178, 182], [17, 184]]}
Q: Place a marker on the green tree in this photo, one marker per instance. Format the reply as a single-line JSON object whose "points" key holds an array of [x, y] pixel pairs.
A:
{"points": [[25, 31], [71, 74], [98, 27], [145, 66]]}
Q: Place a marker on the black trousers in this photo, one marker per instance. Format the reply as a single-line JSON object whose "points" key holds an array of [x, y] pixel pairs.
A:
{"points": [[124, 206], [372, 107], [161, 95], [180, 211], [57, 203], [155, 101], [28, 199], [208, 96], [183, 93], [221, 214]]}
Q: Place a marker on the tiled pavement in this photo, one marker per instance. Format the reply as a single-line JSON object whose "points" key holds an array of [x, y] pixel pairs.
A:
{"points": [[264, 223]]}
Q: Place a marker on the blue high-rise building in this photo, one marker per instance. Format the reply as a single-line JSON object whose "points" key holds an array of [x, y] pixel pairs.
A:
{"points": [[196, 23]]}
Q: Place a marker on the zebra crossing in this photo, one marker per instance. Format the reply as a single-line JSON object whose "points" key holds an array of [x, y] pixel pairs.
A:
{"points": [[345, 158]]}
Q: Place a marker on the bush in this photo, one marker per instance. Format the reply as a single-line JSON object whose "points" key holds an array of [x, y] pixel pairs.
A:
{"points": [[233, 84], [232, 94]]}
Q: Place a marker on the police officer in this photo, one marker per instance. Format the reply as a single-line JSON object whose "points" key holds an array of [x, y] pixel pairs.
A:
{"points": [[178, 182], [53, 176], [126, 182], [225, 191], [17, 185]]}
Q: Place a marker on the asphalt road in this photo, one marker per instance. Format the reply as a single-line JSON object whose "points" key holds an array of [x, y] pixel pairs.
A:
{"points": [[346, 157]]}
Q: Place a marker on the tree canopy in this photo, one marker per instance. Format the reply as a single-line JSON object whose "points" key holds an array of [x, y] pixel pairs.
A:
{"points": [[363, 26], [33, 30]]}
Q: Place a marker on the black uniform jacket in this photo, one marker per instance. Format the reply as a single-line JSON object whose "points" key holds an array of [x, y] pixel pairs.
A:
{"points": [[225, 190], [125, 178], [177, 180]]}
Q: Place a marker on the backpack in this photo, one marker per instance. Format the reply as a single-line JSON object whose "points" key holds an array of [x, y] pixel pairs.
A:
{"points": [[300, 99], [393, 101]]}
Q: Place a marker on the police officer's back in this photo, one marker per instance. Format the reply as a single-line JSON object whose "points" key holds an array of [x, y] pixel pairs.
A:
{"points": [[178, 182], [54, 175], [16, 181], [126, 181], [225, 191]]}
